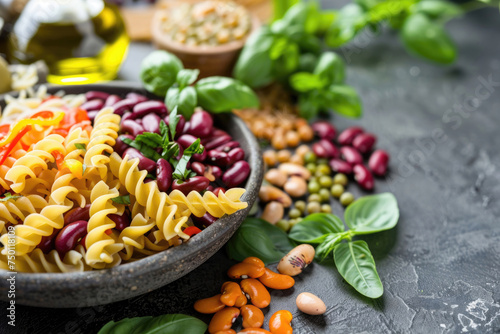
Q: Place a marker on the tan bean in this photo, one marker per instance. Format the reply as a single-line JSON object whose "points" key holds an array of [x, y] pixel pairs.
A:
{"points": [[284, 156], [295, 186], [296, 260], [223, 320], [278, 140], [292, 139], [270, 193], [275, 177], [302, 150], [293, 169], [245, 270], [280, 322], [310, 304], [270, 158], [273, 212], [306, 133], [297, 159]]}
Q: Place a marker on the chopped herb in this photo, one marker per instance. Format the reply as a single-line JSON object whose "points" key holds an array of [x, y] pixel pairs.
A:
{"points": [[81, 146], [151, 176], [150, 139], [9, 196], [122, 199], [181, 172], [172, 122], [141, 145]]}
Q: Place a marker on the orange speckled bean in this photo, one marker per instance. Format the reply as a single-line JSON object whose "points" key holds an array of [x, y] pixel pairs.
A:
{"points": [[256, 291], [209, 305], [252, 316], [223, 320], [276, 281], [230, 293], [280, 322], [245, 270], [254, 260]]}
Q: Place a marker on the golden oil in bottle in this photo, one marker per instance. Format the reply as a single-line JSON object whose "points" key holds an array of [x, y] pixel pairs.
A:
{"points": [[81, 41]]}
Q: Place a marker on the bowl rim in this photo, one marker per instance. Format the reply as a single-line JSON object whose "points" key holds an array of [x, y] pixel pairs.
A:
{"points": [[168, 256], [161, 40]]}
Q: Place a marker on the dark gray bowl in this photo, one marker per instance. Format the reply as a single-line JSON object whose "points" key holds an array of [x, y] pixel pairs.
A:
{"points": [[136, 278]]}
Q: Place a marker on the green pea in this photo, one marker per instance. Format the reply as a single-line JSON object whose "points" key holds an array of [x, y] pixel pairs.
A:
{"points": [[313, 179], [322, 161], [293, 222], [323, 169], [283, 225], [313, 187], [314, 198], [337, 190], [340, 179], [313, 207], [326, 208], [300, 205], [294, 213], [346, 198], [310, 157], [325, 181], [325, 195], [311, 167]]}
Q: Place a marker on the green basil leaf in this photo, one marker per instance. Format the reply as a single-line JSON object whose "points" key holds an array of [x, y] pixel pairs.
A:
{"points": [[159, 71], [81, 146], [153, 140], [428, 39], [280, 7], [173, 120], [345, 101], [326, 18], [330, 68], [148, 151], [188, 100], [367, 4], [181, 172], [278, 48], [186, 77], [221, 94], [122, 199], [256, 237], [305, 82], [308, 43], [303, 15], [373, 213], [164, 324], [287, 63], [355, 263], [388, 8], [315, 228], [437, 9], [9, 196], [254, 64], [350, 20], [308, 105], [307, 62], [327, 246], [172, 98]]}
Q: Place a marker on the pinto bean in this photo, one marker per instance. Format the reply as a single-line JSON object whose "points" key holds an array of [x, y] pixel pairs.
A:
{"points": [[296, 260]]}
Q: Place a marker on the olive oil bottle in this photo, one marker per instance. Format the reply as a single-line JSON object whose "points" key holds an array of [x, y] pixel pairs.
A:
{"points": [[81, 41]]}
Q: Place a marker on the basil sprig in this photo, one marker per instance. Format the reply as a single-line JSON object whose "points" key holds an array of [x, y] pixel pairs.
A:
{"points": [[165, 324], [353, 259], [8, 196]]}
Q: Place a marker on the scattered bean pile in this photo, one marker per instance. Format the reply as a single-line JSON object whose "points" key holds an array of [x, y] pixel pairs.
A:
{"points": [[255, 281]]}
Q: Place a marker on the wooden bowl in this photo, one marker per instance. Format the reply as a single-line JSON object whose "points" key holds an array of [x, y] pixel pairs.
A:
{"points": [[210, 60]]}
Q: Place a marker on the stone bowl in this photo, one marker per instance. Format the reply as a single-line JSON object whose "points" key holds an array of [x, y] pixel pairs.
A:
{"points": [[81, 289]]}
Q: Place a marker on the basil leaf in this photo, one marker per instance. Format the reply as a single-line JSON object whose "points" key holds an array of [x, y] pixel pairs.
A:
{"points": [[330, 68], [437, 10], [9, 196], [278, 48], [173, 120], [350, 20], [186, 77], [428, 39], [373, 213], [122, 199], [256, 237], [146, 150], [327, 246], [172, 98], [221, 94], [181, 172], [355, 263], [388, 8], [305, 82], [185, 100], [159, 71], [81, 146], [345, 101], [254, 64], [165, 324], [326, 18], [308, 105], [150, 139], [164, 128], [287, 63], [315, 228], [303, 15], [307, 62]]}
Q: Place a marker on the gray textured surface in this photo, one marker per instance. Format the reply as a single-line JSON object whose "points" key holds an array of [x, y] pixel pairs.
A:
{"points": [[441, 265]]}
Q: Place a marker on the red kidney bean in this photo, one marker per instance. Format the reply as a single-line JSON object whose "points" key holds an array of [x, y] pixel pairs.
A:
{"points": [[77, 214], [181, 152], [218, 190], [139, 121], [121, 222], [92, 114], [215, 170], [325, 149], [364, 142], [124, 105], [198, 168], [351, 155], [363, 177], [120, 145], [147, 180], [144, 163], [324, 130], [236, 154], [47, 242], [128, 116], [217, 141], [186, 127], [144, 108], [67, 239], [186, 140], [201, 124], [227, 146], [218, 158], [210, 188], [112, 100], [378, 162], [137, 97], [92, 105], [94, 94], [151, 123], [340, 166], [164, 175], [218, 132], [204, 221], [132, 127], [236, 174], [200, 156], [347, 136], [196, 183]]}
